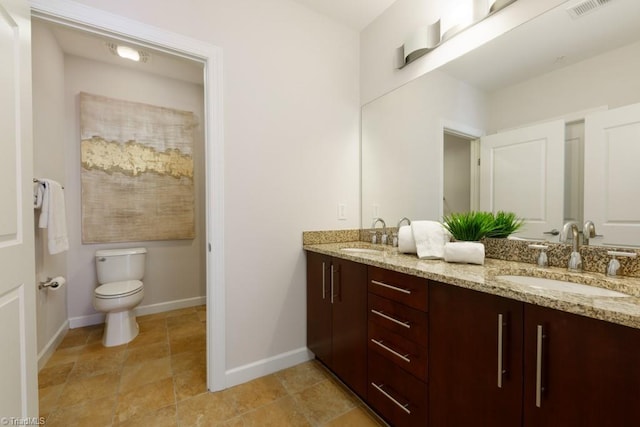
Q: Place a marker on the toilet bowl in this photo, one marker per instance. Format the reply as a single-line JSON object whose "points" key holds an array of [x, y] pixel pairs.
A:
{"points": [[119, 273]]}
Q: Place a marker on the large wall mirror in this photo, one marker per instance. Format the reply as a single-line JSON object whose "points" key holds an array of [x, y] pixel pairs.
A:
{"points": [[543, 121]]}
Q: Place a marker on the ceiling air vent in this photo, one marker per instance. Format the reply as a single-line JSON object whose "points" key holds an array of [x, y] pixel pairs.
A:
{"points": [[586, 6]]}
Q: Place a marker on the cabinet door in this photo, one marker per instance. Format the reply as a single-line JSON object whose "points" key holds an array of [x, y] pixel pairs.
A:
{"points": [[579, 371], [475, 358], [319, 306], [349, 359]]}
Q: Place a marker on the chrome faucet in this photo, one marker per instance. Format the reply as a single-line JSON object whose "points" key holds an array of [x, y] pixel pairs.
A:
{"points": [[614, 264], [588, 232], [575, 260], [383, 238]]}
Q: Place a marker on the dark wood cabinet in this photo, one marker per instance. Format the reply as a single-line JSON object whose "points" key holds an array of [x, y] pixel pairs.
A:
{"points": [[337, 317], [579, 371], [398, 347], [475, 358]]}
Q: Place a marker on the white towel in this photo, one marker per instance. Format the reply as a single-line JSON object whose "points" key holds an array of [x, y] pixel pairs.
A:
{"points": [[53, 216], [464, 252], [406, 244], [430, 237], [38, 194]]}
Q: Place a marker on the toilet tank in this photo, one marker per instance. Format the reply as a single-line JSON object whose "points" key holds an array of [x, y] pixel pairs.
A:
{"points": [[116, 265]]}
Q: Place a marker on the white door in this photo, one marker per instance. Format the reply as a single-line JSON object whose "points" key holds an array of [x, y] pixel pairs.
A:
{"points": [[612, 175], [18, 365], [522, 171]]}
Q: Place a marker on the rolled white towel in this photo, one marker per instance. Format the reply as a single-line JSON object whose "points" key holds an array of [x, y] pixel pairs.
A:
{"points": [[430, 237], [406, 244], [464, 252]]}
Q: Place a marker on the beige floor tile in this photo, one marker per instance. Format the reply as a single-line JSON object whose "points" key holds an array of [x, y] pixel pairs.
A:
{"points": [[197, 342], [95, 413], [202, 315], [324, 401], [281, 413], [144, 399], [149, 337], [152, 325], [134, 376], [357, 417], [54, 375], [186, 329], [48, 399], [201, 307], [180, 312], [75, 337], [182, 319], [97, 365], [80, 390], [164, 417], [252, 395], [302, 376], [204, 410], [146, 353], [190, 383], [65, 355], [154, 316], [95, 336], [188, 360], [96, 349]]}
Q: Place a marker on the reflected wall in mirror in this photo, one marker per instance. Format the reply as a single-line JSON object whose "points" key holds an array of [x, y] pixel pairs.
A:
{"points": [[554, 68]]}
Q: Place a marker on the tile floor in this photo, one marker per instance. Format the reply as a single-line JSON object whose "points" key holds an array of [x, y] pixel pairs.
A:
{"points": [[158, 380]]}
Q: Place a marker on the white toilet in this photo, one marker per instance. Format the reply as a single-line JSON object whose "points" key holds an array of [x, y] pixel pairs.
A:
{"points": [[120, 272]]}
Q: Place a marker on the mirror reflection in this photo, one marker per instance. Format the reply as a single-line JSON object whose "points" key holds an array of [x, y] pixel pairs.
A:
{"points": [[544, 118]]}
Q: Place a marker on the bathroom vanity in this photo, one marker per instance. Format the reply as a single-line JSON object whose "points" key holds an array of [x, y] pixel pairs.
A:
{"points": [[431, 343]]}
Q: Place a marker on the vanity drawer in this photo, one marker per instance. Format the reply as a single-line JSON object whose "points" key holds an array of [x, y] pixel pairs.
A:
{"points": [[403, 288], [408, 355], [397, 396], [404, 321]]}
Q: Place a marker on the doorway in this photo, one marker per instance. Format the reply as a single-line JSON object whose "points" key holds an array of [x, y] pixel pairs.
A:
{"points": [[460, 168], [138, 34]]}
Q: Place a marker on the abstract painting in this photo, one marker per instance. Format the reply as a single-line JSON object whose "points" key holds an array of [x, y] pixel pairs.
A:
{"points": [[137, 171]]}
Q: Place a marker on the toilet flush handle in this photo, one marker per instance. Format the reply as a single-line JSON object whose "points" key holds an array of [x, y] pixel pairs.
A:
{"points": [[103, 259]]}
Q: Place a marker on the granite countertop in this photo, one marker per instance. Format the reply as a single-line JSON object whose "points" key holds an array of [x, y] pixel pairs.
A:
{"points": [[620, 310]]}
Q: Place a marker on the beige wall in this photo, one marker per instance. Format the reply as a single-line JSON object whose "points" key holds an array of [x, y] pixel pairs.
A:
{"points": [[49, 162]]}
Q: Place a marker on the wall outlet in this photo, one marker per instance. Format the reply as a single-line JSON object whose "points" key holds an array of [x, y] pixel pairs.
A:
{"points": [[342, 211]]}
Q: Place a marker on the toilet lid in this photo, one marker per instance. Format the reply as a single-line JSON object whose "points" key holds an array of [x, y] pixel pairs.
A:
{"points": [[118, 289]]}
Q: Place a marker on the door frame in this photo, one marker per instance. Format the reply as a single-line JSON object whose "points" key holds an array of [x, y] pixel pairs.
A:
{"points": [[94, 20]]}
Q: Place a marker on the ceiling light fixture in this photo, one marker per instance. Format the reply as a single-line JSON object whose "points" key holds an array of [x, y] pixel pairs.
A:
{"points": [[128, 53]]}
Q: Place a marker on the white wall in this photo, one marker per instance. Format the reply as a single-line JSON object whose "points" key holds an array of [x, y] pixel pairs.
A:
{"points": [[49, 162], [610, 79], [175, 269], [291, 117], [402, 145], [379, 40]]}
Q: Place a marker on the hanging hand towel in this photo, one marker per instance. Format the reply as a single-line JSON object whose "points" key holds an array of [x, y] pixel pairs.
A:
{"points": [[464, 252], [38, 194], [53, 216], [406, 244], [430, 237]]}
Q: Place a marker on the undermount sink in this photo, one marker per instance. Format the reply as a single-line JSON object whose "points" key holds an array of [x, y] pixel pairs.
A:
{"points": [[562, 286], [362, 251]]}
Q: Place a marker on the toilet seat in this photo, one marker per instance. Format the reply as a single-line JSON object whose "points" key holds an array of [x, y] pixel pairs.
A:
{"points": [[118, 289]]}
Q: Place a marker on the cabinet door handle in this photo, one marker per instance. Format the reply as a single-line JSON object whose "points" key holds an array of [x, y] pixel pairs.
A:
{"points": [[332, 272], [391, 398], [395, 288], [500, 348], [392, 351], [324, 293], [402, 323], [539, 387]]}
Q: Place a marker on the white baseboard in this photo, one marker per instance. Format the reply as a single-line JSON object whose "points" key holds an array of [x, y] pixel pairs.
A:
{"points": [[54, 342], [98, 318], [260, 368]]}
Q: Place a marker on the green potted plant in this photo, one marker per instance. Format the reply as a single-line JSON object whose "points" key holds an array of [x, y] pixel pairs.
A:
{"points": [[467, 228], [504, 224]]}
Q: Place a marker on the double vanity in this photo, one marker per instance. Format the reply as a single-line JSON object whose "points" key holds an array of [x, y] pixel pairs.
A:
{"points": [[504, 344]]}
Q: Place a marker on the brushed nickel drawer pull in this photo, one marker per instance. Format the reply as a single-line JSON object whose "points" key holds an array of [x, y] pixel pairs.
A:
{"points": [[394, 320], [395, 288], [324, 293], [539, 386], [388, 396], [500, 338], [392, 351]]}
